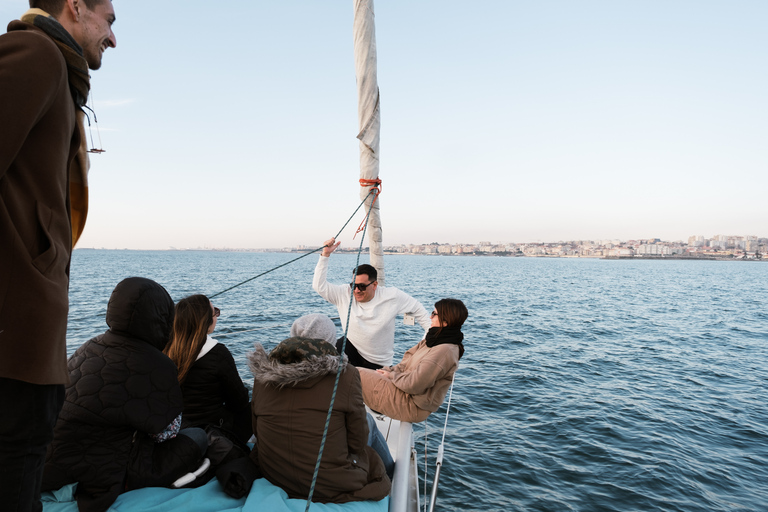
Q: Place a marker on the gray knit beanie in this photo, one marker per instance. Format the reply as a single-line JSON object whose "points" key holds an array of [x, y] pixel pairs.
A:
{"points": [[315, 326]]}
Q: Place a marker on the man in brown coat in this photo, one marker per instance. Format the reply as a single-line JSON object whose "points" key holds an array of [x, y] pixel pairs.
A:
{"points": [[44, 83]]}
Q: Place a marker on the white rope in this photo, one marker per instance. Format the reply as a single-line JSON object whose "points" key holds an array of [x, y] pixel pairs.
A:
{"points": [[448, 408], [440, 451], [426, 466]]}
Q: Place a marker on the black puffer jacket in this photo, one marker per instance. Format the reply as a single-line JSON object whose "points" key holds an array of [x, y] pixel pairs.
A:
{"points": [[122, 388]]}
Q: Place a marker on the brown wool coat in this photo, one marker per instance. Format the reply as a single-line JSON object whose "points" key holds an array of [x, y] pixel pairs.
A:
{"points": [[288, 422], [419, 382], [38, 142]]}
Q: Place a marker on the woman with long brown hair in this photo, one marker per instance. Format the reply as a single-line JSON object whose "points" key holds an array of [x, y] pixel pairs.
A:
{"points": [[214, 393], [416, 387]]}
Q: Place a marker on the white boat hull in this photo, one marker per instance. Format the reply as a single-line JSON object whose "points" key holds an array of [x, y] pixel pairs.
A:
{"points": [[404, 496]]}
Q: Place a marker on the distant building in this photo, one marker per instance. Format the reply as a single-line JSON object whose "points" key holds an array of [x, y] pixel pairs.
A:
{"points": [[653, 250], [621, 252]]}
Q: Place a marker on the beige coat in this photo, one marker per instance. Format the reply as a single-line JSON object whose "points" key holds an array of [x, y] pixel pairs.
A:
{"points": [[416, 387], [290, 405]]}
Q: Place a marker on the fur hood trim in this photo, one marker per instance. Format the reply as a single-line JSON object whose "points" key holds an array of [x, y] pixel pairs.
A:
{"points": [[271, 372]]}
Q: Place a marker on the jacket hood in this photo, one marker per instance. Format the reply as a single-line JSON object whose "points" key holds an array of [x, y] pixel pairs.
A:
{"points": [[142, 309], [270, 371]]}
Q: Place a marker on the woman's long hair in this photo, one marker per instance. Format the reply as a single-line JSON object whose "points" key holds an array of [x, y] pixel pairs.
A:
{"points": [[190, 330], [451, 311]]}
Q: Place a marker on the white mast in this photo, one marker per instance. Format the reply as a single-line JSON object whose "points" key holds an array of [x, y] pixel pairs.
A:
{"points": [[369, 120]]}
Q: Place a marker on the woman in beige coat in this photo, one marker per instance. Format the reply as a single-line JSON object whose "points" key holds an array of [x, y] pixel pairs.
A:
{"points": [[416, 387], [292, 389]]}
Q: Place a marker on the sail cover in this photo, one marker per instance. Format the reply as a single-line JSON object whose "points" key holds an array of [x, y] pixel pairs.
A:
{"points": [[369, 120]]}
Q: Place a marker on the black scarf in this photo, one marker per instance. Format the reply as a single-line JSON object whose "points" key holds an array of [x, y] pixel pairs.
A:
{"points": [[77, 67], [452, 335]]}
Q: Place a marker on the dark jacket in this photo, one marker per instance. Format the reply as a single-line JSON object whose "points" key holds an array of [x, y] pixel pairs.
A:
{"points": [[122, 389], [290, 405], [214, 394], [38, 142]]}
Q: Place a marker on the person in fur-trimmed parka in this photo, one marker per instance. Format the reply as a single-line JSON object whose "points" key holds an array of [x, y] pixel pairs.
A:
{"points": [[291, 393]]}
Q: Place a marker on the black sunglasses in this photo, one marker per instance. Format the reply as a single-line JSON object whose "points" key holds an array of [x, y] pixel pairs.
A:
{"points": [[360, 286], [216, 312]]}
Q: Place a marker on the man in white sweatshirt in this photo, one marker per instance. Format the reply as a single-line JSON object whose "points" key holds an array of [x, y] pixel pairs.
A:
{"points": [[371, 335]]}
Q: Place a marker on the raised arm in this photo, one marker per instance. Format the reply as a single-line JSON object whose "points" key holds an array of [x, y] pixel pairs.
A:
{"points": [[331, 292]]}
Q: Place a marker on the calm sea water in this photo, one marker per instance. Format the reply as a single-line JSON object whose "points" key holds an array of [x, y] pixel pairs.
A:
{"points": [[587, 385]]}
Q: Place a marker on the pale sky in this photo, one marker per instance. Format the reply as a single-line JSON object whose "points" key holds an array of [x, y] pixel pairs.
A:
{"points": [[233, 123]]}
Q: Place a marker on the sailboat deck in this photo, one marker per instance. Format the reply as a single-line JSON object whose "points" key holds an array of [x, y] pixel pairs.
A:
{"points": [[263, 495]]}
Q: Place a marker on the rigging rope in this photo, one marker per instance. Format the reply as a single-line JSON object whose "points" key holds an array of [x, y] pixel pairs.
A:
{"points": [[303, 255], [341, 358]]}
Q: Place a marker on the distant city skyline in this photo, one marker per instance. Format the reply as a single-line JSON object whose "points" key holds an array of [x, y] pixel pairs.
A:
{"points": [[504, 121], [693, 240]]}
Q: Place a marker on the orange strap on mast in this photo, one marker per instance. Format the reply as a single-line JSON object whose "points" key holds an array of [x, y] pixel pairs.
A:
{"points": [[374, 184]]}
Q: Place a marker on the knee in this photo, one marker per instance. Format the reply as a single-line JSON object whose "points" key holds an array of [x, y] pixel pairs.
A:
{"points": [[198, 435]]}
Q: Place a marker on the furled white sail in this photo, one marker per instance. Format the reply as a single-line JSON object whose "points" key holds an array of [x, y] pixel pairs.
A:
{"points": [[369, 119]]}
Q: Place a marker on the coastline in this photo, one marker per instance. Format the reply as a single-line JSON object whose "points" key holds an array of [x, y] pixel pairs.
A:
{"points": [[663, 257]]}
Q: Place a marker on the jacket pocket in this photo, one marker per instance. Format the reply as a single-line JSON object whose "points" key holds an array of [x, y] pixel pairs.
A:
{"points": [[48, 252]]}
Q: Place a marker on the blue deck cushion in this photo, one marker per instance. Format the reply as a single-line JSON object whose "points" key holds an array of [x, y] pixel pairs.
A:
{"points": [[208, 498]]}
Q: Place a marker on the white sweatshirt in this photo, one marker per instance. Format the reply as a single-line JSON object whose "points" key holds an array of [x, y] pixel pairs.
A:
{"points": [[372, 326]]}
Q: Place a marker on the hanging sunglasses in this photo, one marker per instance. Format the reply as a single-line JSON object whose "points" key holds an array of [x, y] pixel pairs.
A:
{"points": [[93, 148]]}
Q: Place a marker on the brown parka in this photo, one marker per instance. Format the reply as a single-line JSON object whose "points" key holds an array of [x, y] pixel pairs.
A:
{"points": [[290, 404]]}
